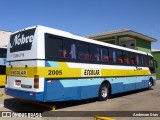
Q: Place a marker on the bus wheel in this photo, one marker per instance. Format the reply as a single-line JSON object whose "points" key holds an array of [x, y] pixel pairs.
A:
{"points": [[150, 83], [103, 92]]}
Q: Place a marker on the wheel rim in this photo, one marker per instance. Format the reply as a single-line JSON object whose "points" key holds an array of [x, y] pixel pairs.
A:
{"points": [[104, 92], [150, 83]]}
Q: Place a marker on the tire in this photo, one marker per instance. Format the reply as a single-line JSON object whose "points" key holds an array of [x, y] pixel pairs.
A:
{"points": [[103, 92], [150, 83]]}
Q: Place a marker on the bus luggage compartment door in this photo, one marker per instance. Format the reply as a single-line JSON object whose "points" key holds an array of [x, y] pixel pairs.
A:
{"points": [[61, 90]]}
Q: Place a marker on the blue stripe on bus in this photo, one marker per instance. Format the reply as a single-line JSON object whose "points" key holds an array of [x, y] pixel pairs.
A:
{"points": [[52, 64], [80, 82], [77, 89], [96, 81]]}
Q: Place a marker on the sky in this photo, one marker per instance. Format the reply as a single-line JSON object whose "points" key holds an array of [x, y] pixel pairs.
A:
{"points": [[83, 17]]}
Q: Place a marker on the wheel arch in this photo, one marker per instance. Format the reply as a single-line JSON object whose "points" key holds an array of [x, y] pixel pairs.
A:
{"points": [[110, 87]]}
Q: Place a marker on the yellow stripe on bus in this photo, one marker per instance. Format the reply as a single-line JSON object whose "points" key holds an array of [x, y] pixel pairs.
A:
{"points": [[64, 72]]}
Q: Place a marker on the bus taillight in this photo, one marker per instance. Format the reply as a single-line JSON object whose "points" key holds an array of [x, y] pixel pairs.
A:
{"points": [[36, 81], [6, 80]]}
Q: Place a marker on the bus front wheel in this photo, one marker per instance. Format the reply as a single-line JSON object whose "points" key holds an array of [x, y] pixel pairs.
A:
{"points": [[150, 83], [103, 92]]}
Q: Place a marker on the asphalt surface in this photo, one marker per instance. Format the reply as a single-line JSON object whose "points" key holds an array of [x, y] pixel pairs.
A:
{"points": [[134, 102]]}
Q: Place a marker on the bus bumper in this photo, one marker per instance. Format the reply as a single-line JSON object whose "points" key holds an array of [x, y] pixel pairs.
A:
{"points": [[35, 96]]}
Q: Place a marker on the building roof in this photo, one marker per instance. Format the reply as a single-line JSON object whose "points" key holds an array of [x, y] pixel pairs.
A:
{"points": [[155, 50], [6, 31], [121, 33], [4, 37]]}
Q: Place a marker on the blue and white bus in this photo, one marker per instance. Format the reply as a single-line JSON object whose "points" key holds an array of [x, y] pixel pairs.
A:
{"points": [[46, 64], [3, 53]]}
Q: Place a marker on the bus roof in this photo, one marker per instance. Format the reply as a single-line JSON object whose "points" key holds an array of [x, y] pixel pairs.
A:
{"points": [[76, 37]]}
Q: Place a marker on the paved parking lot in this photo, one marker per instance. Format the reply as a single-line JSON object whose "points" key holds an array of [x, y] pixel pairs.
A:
{"points": [[142, 100]]}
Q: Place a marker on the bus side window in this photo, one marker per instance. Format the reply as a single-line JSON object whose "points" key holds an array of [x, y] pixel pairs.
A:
{"points": [[64, 53], [145, 57], [105, 55], [69, 49], [125, 57], [132, 59], [73, 51], [151, 63], [141, 60], [137, 59], [95, 53], [120, 56], [112, 55], [53, 47], [83, 51]]}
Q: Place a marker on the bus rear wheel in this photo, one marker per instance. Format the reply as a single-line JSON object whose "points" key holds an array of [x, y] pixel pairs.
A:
{"points": [[103, 92]]}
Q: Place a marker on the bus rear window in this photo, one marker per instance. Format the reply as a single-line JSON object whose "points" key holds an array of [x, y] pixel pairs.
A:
{"points": [[2, 69], [3, 52]]}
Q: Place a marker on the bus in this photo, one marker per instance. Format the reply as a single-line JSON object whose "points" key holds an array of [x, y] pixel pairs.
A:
{"points": [[3, 53], [46, 65]]}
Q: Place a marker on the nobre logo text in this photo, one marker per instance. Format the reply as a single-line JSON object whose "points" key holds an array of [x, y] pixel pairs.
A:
{"points": [[19, 40], [22, 40]]}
